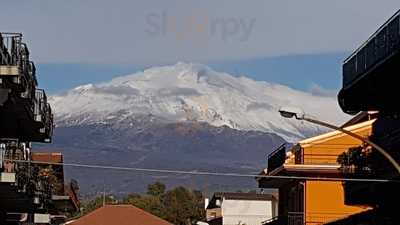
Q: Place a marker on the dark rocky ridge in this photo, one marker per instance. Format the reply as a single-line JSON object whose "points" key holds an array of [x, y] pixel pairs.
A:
{"points": [[173, 146]]}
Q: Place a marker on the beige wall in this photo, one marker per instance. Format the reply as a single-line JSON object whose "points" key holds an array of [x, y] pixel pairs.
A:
{"points": [[249, 212]]}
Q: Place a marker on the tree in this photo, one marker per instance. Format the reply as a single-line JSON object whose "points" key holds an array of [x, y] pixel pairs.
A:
{"points": [[98, 202], [356, 158], [156, 189], [179, 206], [149, 203], [183, 206]]}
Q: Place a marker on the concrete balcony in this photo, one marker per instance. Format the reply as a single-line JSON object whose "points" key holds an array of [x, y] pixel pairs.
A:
{"points": [[370, 73]]}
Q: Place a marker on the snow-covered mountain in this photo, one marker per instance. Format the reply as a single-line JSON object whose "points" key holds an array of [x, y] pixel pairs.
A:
{"points": [[193, 92]]}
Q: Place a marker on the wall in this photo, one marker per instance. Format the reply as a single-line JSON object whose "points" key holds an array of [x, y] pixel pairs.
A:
{"points": [[324, 202], [249, 212], [325, 151]]}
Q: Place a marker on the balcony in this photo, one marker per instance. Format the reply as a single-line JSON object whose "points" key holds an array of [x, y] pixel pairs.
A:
{"points": [[369, 74], [16, 71], [299, 161], [292, 218], [301, 218], [24, 112], [382, 194], [43, 116], [10, 44], [382, 45], [22, 186], [276, 158]]}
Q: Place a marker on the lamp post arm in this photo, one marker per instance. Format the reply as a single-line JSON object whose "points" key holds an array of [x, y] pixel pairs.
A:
{"points": [[359, 137]]}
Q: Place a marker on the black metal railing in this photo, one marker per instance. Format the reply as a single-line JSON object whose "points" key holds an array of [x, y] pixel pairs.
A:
{"points": [[43, 113], [10, 152], [40, 105], [277, 158], [32, 72], [380, 46], [295, 218], [29, 180], [49, 123], [10, 49], [301, 218], [15, 53], [2, 156], [291, 218]]}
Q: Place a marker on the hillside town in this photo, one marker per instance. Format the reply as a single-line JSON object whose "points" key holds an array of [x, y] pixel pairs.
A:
{"points": [[315, 172]]}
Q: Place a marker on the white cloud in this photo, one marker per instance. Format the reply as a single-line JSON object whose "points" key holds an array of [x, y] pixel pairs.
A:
{"points": [[317, 90]]}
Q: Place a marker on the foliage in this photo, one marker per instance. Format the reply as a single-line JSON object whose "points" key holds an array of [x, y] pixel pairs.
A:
{"points": [[157, 189], [357, 158], [98, 202], [180, 206], [50, 174], [149, 203]]}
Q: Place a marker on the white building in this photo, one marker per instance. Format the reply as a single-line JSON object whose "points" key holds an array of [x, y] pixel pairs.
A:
{"points": [[241, 208]]}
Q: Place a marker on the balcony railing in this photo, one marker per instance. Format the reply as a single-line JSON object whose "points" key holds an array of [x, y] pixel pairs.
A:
{"points": [[28, 178], [15, 65], [277, 158], [43, 114], [40, 105], [378, 48], [2, 155], [292, 218], [10, 49], [358, 193], [295, 218], [9, 153], [300, 218]]}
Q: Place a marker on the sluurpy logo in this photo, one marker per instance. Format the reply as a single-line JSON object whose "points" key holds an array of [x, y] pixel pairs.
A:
{"points": [[199, 26]]}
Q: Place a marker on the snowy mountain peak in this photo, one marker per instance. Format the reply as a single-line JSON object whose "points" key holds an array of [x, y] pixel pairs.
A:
{"points": [[193, 92]]}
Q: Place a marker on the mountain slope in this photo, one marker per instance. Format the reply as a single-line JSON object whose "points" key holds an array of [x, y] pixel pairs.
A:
{"points": [[174, 146], [193, 93], [181, 117]]}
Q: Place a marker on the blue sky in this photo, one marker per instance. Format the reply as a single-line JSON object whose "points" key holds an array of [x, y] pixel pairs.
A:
{"points": [[80, 41], [317, 73]]}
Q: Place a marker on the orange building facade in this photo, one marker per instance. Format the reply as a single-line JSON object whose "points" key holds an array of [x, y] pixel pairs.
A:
{"points": [[313, 201]]}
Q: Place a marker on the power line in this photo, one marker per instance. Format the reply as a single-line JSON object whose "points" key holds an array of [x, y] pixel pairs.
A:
{"points": [[204, 173]]}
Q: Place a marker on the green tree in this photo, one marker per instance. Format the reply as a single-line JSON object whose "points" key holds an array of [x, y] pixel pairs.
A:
{"points": [[98, 202], [149, 203], [180, 206], [357, 159], [156, 189], [183, 206]]}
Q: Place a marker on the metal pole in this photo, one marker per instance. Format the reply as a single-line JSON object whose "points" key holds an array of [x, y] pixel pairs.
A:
{"points": [[356, 136]]}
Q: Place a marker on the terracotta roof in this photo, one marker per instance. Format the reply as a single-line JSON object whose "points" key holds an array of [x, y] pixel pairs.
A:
{"points": [[119, 215], [52, 157]]}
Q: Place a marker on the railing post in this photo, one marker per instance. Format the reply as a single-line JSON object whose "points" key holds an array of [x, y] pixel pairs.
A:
{"points": [[2, 153]]}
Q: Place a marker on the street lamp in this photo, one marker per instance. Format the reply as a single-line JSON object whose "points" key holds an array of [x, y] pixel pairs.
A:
{"points": [[289, 112]]}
